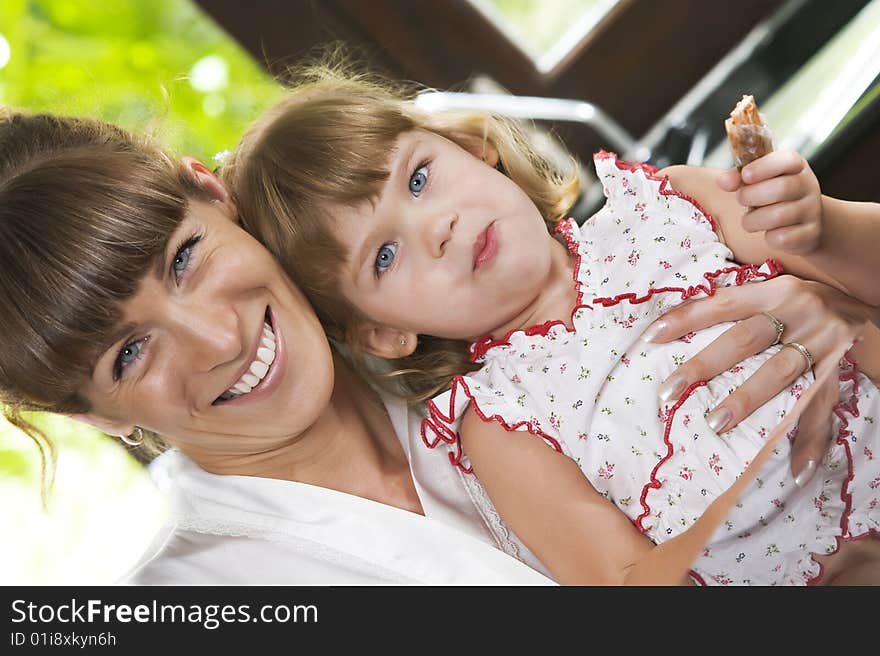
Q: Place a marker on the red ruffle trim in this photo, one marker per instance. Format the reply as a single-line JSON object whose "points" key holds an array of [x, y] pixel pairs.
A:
{"points": [[482, 346], [851, 407], [744, 273], [651, 173], [654, 483], [438, 422]]}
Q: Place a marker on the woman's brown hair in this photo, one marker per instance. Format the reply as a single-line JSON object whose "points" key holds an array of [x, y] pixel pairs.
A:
{"points": [[85, 208], [327, 143]]}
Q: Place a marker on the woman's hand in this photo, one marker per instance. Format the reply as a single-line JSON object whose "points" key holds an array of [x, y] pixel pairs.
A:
{"points": [[821, 318], [784, 200]]}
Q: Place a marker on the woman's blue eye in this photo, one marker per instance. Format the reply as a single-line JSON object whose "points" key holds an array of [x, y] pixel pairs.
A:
{"points": [[127, 354], [385, 257], [418, 180], [181, 260], [182, 256]]}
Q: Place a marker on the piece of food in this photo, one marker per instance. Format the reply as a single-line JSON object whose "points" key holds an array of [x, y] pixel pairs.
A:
{"points": [[749, 137]]}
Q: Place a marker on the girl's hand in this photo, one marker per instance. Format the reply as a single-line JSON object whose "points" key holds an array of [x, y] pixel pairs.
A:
{"points": [[826, 321], [783, 199]]}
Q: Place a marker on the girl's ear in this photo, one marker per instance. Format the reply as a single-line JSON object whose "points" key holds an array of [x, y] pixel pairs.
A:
{"points": [[109, 426], [385, 342], [479, 147], [208, 181]]}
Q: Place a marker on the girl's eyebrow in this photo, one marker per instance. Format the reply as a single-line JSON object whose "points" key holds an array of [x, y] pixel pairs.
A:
{"points": [[400, 166], [362, 256], [403, 163]]}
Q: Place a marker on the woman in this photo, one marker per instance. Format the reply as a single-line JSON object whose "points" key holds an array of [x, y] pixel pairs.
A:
{"points": [[135, 303]]}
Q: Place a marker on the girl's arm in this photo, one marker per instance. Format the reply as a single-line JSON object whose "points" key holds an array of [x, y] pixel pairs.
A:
{"points": [[835, 238], [544, 497]]}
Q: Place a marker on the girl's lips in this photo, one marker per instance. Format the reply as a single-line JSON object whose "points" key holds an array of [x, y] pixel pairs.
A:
{"points": [[485, 247], [276, 370]]}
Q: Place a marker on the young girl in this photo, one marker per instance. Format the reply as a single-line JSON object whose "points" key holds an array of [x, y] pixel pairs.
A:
{"points": [[413, 232]]}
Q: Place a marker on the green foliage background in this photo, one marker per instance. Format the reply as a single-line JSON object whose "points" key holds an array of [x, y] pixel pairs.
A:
{"points": [[129, 62], [162, 67], [135, 63]]}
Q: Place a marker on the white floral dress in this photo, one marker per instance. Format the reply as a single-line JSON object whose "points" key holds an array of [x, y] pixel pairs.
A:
{"points": [[591, 393]]}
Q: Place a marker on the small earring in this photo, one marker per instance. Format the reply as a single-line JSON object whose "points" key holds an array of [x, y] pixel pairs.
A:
{"points": [[135, 438], [403, 341]]}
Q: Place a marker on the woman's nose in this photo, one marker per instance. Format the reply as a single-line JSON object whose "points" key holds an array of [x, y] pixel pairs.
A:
{"points": [[209, 336], [437, 232]]}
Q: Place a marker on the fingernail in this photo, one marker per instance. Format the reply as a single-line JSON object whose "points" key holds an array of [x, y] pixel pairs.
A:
{"points": [[671, 388], [805, 474], [718, 419], [652, 331]]}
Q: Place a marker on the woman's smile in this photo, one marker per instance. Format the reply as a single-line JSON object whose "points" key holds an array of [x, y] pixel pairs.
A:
{"points": [[263, 369]]}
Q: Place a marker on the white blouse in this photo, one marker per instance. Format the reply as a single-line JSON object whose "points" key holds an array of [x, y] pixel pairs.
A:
{"points": [[251, 530]]}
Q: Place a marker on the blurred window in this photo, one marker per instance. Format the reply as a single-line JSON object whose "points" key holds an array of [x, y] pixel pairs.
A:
{"points": [[546, 30], [827, 92]]}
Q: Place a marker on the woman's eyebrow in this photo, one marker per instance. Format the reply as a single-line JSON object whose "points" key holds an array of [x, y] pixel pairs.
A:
{"points": [[120, 333], [158, 267], [161, 259]]}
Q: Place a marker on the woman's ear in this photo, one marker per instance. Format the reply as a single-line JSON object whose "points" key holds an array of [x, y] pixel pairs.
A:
{"points": [[385, 342], [479, 147], [109, 426], [207, 181]]}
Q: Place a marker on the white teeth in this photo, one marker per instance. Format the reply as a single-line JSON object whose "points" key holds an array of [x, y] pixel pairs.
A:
{"points": [[259, 367]]}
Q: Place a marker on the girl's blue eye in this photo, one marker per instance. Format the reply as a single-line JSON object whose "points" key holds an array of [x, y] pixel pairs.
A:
{"points": [[385, 257], [418, 180], [181, 258], [127, 354]]}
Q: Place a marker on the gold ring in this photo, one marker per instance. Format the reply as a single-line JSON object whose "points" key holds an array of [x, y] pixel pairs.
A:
{"points": [[800, 348], [778, 325]]}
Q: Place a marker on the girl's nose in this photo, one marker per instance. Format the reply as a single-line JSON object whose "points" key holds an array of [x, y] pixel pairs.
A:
{"points": [[437, 232]]}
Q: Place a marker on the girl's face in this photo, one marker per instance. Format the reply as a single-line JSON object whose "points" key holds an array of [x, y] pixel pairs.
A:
{"points": [[451, 247], [217, 349]]}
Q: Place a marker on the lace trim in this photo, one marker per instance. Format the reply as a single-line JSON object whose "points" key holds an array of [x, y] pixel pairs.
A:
{"points": [[480, 499]]}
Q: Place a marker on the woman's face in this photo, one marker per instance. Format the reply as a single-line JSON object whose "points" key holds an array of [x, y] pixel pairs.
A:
{"points": [[217, 349]]}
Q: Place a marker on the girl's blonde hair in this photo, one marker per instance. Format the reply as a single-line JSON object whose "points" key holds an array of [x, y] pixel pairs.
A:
{"points": [[328, 143], [85, 210]]}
